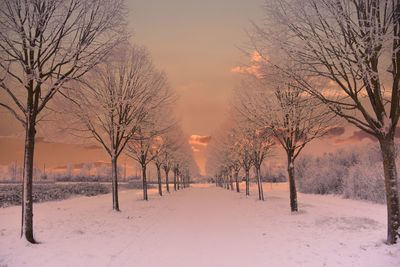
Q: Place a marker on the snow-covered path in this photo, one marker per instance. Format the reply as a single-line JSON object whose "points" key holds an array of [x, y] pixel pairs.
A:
{"points": [[201, 226]]}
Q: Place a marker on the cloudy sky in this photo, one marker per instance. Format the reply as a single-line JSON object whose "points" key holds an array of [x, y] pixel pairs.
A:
{"points": [[197, 43]]}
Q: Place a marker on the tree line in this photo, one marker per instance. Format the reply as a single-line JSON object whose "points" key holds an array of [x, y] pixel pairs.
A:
{"points": [[74, 58], [319, 59]]}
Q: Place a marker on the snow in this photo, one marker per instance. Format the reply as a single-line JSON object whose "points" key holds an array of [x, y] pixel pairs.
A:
{"points": [[201, 226]]}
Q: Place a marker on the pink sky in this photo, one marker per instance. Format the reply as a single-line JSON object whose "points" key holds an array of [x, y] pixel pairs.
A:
{"points": [[198, 44]]}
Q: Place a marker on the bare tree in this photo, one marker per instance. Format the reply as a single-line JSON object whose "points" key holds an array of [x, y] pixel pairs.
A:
{"points": [[175, 169], [236, 169], [43, 45], [228, 156], [172, 142], [239, 145], [163, 146], [262, 144], [242, 146], [222, 158], [158, 150], [353, 46], [115, 100], [182, 164], [146, 146], [167, 165], [292, 117], [140, 149]]}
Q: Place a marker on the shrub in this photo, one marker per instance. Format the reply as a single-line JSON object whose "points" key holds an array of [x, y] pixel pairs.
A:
{"points": [[365, 181], [356, 174]]}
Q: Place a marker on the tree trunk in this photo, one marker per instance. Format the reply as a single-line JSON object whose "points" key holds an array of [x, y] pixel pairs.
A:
{"points": [[175, 180], [114, 181], [145, 196], [178, 181], [237, 182], [247, 183], [182, 182], [392, 188], [159, 180], [292, 184], [231, 181], [27, 201], [259, 184], [167, 180]]}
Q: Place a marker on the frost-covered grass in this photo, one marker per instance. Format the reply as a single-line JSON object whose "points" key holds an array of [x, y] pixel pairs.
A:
{"points": [[201, 226]]}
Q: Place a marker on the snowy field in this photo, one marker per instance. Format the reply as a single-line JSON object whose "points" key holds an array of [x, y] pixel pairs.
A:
{"points": [[201, 226]]}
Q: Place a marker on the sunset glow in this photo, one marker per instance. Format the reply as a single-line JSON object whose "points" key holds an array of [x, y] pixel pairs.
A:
{"points": [[199, 133]]}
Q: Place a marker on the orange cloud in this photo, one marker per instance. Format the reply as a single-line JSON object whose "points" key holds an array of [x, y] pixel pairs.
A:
{"points": [[254, 68], [256, 57], [199, 140]]}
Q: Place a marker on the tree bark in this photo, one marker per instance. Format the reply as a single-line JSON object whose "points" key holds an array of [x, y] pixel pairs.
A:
{"points": [[259, 183], [392, 188], [145, 196], [231, 181], [114, 181], [237, 182], [27, 183], [167, 180], [292, 184], [247, 183], [159, 180]]}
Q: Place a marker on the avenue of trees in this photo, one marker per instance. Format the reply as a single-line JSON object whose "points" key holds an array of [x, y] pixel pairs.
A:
{"points": [[346, 54], [79, 51], [269, 112], [318, 62]]}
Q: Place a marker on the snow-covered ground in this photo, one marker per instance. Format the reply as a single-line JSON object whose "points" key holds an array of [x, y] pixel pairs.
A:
{"points": [[201, 226]]}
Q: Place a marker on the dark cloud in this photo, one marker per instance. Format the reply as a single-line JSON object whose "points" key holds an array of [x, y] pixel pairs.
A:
{"points": [[359, 135], [336, 131]]}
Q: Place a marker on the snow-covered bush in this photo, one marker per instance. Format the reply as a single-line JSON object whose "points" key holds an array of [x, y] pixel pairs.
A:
{"points": [[365, 181], [355, 173], [324, 174]]}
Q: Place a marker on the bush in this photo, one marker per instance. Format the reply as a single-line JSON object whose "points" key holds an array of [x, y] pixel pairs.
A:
{"points": [[274, 178], [11, 194], [356, 175], [365, 181], [325, 174]]}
